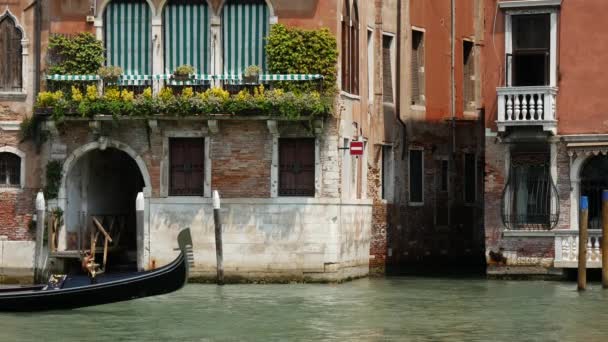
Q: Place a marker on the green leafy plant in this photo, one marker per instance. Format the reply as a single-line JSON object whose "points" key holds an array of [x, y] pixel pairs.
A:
{"points": [[110, 73], [252, 71], [184, 70], [298, 51], [53, 179], [81, 54]]}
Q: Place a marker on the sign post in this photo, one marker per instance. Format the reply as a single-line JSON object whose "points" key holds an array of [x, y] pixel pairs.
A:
{"points": [[356, 148]]}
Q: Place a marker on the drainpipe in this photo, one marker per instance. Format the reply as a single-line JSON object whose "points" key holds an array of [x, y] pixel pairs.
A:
{"points": [[452, 162], [402, 6]]}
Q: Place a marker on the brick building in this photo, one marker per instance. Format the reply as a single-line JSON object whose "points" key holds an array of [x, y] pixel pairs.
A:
{"points": [[545, 134]]}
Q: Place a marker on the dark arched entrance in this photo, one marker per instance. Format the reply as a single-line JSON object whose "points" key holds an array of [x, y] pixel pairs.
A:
{"points": [[594, 179], [103, 184]]}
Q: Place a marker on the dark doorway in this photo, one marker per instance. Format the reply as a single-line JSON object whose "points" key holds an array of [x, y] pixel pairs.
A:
{"points": [[594, 180]]}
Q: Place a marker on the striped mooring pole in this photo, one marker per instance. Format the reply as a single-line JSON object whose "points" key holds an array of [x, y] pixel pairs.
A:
{"points": [[582, 244]]}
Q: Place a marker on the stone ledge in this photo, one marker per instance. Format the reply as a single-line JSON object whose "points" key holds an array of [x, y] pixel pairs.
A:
{"points": [[13, 96], [261, 201]]}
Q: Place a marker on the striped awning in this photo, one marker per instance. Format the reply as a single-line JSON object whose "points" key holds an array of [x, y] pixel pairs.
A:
{"points": [[128, 32], [245, 27], [198, 77], [187, 25]]}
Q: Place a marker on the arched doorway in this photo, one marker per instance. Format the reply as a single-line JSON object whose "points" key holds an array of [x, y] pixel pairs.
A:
{"points": [[594, 179], [103, 184]]}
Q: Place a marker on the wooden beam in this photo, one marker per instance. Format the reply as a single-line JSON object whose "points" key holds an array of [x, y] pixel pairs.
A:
{"points": [[103, 231]]}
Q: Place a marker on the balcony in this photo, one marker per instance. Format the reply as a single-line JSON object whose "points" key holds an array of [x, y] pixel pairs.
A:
{"points": [[566, 248], [526, 107]]}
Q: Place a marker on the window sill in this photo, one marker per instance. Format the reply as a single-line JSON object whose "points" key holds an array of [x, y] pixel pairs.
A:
{"points": [[11, 189], [418, 108], [416, 204], [349, 95], [528, 233], [13, 96]]}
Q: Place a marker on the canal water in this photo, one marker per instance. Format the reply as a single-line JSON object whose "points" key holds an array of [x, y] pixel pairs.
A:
{"points": [[399, 309]]}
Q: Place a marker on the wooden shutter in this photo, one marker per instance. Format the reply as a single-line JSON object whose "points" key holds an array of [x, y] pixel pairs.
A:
{"points": [[187, 167], [468, 81], [297, 167], [387, 70], [354, 52], [10, 56], [416, 64]]}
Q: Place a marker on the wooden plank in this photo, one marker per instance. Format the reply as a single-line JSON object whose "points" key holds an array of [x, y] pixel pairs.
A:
{"points": [[101, 229]]}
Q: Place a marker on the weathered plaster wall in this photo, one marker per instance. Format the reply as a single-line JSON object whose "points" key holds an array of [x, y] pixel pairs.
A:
{"points": [[268, 239], [16, 261]]}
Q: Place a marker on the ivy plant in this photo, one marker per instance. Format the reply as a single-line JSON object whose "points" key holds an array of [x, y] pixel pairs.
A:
{"points": [[53, 179], [292, 50], [81, 54]]}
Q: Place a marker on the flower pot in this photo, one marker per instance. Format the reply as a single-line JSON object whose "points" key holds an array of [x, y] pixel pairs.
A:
{"points": [[253, 79], [180, 78], [44, 111]]}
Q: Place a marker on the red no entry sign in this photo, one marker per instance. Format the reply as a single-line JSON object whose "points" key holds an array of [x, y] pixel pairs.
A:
{"points": [[356, 148]]}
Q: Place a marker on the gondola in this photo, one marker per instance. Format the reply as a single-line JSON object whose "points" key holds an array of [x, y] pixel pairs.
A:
{"points": [[69, 292]]}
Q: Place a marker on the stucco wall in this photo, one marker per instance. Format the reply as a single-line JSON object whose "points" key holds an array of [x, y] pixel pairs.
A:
{"points": [[16, 261], [268, 239]]}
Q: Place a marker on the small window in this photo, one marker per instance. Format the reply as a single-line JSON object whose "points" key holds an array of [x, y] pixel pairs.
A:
{"points": [[387, 68], [187, 166], [416, 176], [444, 172], [468, 77], [297, 167], [387, 170], [417, 68], [350, 48], [470, 178], [10, 55], [10, 170]]}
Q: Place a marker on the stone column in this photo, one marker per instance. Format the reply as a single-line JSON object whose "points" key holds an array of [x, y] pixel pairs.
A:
{"points": [[139, 219]]}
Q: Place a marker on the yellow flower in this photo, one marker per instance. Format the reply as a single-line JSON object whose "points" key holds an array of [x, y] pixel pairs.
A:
{"points": [[126, 95], [243, 95], [148, 93], [166, 94], [112, 94], [187, 93], [258, 91], [58, 95], [92, 92], [76, 95]]}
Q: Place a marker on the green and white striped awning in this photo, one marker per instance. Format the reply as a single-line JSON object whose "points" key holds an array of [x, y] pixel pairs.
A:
{"points": [[245, 27], [197, 77], [187, 25], [128, 36]]}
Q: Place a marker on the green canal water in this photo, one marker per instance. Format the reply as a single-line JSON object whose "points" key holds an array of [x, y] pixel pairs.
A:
{"points": [[400, 309]]}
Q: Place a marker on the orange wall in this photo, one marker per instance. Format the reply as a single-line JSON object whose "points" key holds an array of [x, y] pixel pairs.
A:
{"points": [[434, 17]]}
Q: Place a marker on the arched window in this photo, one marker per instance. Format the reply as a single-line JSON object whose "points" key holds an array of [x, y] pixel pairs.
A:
{"points": [[245, 27], [128, 32], [10, 55], [10, 170], [350, 48], [187, 26]]}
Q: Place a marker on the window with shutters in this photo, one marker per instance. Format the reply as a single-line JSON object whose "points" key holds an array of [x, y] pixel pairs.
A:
{"points": [[10, 55], [10, 170], [417, 68], [370, 66], [350, 48], [297, 167], [468, 77], [387, 69], [187, 166], [416, 176]]}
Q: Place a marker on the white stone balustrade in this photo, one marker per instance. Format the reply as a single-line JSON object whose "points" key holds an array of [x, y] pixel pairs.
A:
{"points": [[527, 106], [566, 249]]}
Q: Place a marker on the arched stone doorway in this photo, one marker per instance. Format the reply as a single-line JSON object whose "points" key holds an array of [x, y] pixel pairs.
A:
{"points": [[593, 180], [102, 181]]}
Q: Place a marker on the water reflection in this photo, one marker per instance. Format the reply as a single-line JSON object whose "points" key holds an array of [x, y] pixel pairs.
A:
{"points": [[365, 310]]}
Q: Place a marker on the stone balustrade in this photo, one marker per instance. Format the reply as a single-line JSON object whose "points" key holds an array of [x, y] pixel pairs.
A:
{"points": [[527, 106], [566, 249]]}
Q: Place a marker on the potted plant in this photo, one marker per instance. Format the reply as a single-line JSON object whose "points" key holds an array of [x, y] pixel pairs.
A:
{"points": [[110, 73], [251, 74], [183, 72], [47, 101]]}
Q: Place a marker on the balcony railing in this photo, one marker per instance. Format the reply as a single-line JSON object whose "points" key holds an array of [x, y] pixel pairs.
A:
{"points": [[566, 248], [527, 106]]}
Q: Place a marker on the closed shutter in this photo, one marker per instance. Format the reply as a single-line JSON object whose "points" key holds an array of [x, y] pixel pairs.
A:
{"points": [[187, 167], [297, 167], [187, 27], [345, 55], [10, 56], [128, 32], [354, 54], [417, 67], [245, 27], [387, 69], [468, 81]]}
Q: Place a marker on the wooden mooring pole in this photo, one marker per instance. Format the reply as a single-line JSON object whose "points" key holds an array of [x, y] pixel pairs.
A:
{"points": [[39, 252], [219, 253], [605, 239], [582, 244]]}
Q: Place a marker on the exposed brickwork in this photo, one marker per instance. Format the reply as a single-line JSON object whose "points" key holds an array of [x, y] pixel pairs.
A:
{"points": [[378, 244], [16, 210]]}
